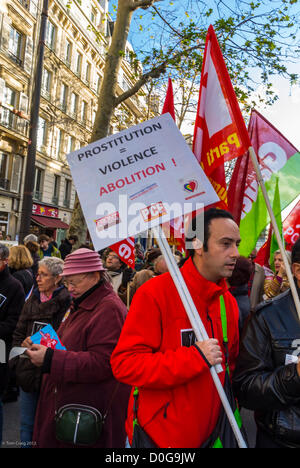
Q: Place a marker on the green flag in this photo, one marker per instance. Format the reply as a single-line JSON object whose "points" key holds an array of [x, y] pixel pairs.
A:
{"points": [[276, 209]]}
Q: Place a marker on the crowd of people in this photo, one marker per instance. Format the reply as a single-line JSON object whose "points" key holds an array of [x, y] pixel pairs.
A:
{"points": [[130, 370]]}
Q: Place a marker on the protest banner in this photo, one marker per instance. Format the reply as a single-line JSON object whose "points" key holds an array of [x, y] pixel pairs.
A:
{"points": [[291, 227], [137, 179]]}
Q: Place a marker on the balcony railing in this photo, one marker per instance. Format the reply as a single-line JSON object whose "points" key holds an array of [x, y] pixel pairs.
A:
{"points": [[13, 121], [4, 184]]}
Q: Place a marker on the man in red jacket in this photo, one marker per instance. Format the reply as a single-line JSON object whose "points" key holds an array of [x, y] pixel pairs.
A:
{"points": [[178, 404]]}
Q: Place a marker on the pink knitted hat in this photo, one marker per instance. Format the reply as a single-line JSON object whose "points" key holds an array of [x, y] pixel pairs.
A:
{"points": [[82, 261]]}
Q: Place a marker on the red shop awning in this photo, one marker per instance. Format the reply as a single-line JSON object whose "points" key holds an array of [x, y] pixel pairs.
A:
{"points": [[45, 221]]}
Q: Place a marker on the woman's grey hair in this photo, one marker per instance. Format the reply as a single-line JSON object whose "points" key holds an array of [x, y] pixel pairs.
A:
{"points": [[53, 264], [30, 238], [4, 252]]}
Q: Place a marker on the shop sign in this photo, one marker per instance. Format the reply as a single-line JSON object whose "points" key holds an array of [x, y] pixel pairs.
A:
{"points": [[43, 210]]}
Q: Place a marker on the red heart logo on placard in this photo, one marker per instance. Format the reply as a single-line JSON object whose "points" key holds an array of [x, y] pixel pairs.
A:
{"points": [[191, 186]]}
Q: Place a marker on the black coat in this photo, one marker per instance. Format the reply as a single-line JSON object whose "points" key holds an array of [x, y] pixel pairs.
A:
{"points": [[262, 381], [241, 295], [25, 277], [65, 248], [12, 299]]}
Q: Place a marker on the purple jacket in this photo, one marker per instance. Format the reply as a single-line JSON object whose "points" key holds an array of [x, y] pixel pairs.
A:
{"points": [[82, 374]]}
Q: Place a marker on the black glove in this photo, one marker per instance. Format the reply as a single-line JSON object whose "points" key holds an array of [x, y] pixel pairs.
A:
{"points": [[128, 274]]}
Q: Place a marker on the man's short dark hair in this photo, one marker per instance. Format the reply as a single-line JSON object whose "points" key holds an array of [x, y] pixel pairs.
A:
{"points": [[73, 237], [44, 237], [4, 252], [199, 227], [241, 273], [296, 252]]}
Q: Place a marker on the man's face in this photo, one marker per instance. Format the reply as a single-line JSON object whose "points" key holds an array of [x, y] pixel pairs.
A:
{"points": [[220, 258], [3, 264], [1, 236], [113, 262], [44, 244]]}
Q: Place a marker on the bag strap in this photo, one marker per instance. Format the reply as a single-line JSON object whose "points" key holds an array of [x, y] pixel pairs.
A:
{"points": [[224, 329], [111, 400], [223, 319]]}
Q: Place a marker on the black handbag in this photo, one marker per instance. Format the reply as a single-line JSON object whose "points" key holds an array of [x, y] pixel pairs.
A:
{"points": [[78, 424]]}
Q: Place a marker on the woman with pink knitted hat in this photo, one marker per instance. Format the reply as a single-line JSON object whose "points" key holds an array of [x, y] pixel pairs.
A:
{"points": [[81, 374]]}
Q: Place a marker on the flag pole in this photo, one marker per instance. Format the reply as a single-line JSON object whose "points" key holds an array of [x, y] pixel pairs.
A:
{"points": [[197, 325], [276, 230]]}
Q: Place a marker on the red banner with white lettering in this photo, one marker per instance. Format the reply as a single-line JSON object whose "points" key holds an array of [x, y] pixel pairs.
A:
{"points": [[125, 250], [291, 227], [220, 132]]}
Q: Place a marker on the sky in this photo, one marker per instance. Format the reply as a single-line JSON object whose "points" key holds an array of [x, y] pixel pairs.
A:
{"points": [[285, 113]]}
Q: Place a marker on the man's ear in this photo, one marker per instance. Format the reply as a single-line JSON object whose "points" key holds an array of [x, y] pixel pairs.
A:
{"points": [[198, 245], [296, 271]]}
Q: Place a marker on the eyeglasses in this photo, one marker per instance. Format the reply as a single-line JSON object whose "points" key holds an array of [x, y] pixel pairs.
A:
{"points": [[112, 256], [42, 275], [72, 284]]}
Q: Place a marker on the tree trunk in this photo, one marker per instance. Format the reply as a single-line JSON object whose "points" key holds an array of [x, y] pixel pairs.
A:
{"points": [[107, 99]]}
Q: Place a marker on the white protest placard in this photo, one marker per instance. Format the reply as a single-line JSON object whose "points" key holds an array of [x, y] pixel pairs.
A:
{"points": [[137, 179]]}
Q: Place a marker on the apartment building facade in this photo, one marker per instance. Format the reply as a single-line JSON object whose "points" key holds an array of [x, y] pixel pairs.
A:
{"points": [[73, 67]]}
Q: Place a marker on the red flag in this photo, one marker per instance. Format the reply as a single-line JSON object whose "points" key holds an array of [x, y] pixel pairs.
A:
{"points": [[220, 131], [263, 255], [291, 227], [169, 101], [236, 187], [125, 250]]}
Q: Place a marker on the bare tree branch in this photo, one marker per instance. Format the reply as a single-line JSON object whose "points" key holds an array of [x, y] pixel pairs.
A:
{"points": [[143, 4], [154, 73]]}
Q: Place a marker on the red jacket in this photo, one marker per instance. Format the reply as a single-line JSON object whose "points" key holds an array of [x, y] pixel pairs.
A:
{"points": [[178, 403]]}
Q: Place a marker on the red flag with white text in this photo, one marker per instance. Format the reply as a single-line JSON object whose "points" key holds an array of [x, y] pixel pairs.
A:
{"points": [[220, 131], [291, 227], [125, 250]]}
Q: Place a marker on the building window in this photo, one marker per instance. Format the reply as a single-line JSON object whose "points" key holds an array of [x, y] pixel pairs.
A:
{"points": [[74, 105], [68, 53], [38, 184], [78, 64], [63, 97], [87, 76], [15, 45], [67, 195], [98, 84], [8, 118], [16, 173], [59, 143], [71, 144], [42, 134], [46, 83], [4, 182], [50, 35], [93, 15], [83, 112], [56, 189]]}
